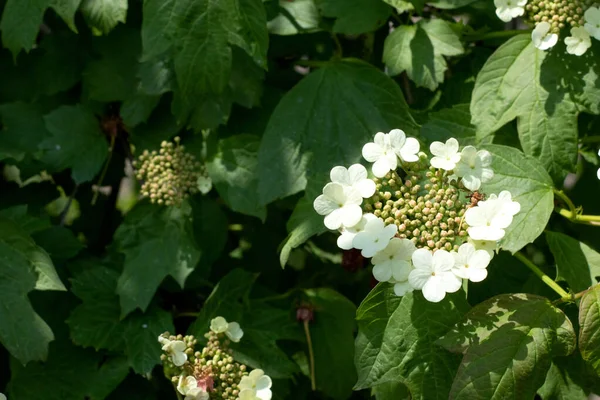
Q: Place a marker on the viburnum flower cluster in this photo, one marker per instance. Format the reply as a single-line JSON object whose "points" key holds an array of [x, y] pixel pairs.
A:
{"points": [[211, 373], [422, 220], [550, 17]]}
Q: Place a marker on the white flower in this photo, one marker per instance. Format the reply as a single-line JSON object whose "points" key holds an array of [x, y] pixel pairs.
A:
{"points": [[578, 42], [204, 184], [401, 288], [446, 155], [393, 262], [354, 177], [344, 241], [374, 237], [474, 167], [489, 218], [188, 386], [509, 9], [470, 263], [256, 383], [232, 329], [487, 245], [340, 205], [433, 274], [2, 396], [542, 38], [592, 22], [386, 148], [175, 349], [598, 172]]}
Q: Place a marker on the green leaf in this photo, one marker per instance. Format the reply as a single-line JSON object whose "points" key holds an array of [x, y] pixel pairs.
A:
{"points": [[23, 129], [420, 49], [210, 229], [449, 4], [22, 331], [396, 337], [589, 330], [450, 122], [76, 142], [391, 391], [103, 15], [66, 9], [59, 242], [302, 225], [160, 126], [354, 17], [566, 379], [254, 36], [258, 348], [508, 343], [299, 16], [21, 22], [138, 108], [97, 321], [332, 334], [233, 172], [12, 235], [157, 242], [530, 185], [113, 75], [544, 91], [323, 122], [576, 263], [112, 372]]}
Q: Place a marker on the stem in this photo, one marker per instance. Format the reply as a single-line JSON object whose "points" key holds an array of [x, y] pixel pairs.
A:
{"points": [[579, 218], [338, 46], [313, 383], [311, 63], [573, 297], [590, 139], [187, 314], [494, 35], [566, 199], [104, 170], [65, 211], [545, 278]]}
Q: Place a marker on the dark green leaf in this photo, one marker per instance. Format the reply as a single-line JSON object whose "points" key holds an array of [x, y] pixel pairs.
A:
{"points": [[530, 185], [566, 379], [103, 16], [210, 230], [233, 171], [66, 9], [508, 343], [59, 242], [354, 17], [396, 337], [137, 109], [332, 334], [420, 49], [23, 130], [21, 22], [589, 331], [450, 122], [302, 225], [297, 16], [391, 391], [157, 242], [112, 372], [323, 122], [76, 142], [576, 263]]}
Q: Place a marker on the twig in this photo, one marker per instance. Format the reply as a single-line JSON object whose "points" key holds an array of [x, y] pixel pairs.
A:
{"points": [[65, 211], [311, 356], [545, 278]]}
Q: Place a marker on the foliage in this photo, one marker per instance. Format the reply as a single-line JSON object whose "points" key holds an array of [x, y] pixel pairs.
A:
{"points": [[267, 96]]}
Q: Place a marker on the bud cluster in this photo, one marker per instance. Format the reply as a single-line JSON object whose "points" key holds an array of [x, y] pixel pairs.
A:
{"points": [[558, 13], [430, 215], [170, 175]]}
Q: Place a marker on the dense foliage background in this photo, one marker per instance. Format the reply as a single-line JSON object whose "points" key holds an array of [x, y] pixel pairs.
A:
{"points": [[268, 96]]}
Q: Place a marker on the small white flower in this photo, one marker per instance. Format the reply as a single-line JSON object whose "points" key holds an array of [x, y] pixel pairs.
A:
{"points": [[401, 288], [175, 349], [204, 184], [446, 155], [374, 237], [344, 241], [188, 387], [489, 218], [509, 9], [393, 262], [598, 172], [386, 148], [592, 22], [542, 38], [256, 383], [232, 329], [578, 42], [433, 274], [354, 177], [474, 167], [2, 396], [487, 245], [341, 206], [470, 263]]}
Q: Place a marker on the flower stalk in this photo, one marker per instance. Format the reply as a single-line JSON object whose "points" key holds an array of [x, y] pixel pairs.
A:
{"points": [[545, 278]]}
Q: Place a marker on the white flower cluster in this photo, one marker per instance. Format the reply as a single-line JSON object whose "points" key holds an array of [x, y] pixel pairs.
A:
{"points": [[551, 16], [415, 232]]}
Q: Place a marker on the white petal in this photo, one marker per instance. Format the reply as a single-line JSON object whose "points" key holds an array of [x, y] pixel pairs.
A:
{"points": [[485, 157], [335, 192], [486, 233], [179, 358], [365, 187], [418, 278], [323, 205], [381, 167], [400, 270], [437, 148], [477, 275], [409, 151], [372, 152], [219, 324], [340, 175], [401, 288], [461, 272], [344, 241], [356, 173], [397, 138], [479, 259], [380, 138], [423, 259], [362, 240], [476, 216], [442, 261], [382, 272], [335, 219], [351, 215], [450, 282], [234, 332], [433, 290], [264, 382], [471, 182], [452, 146]]}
